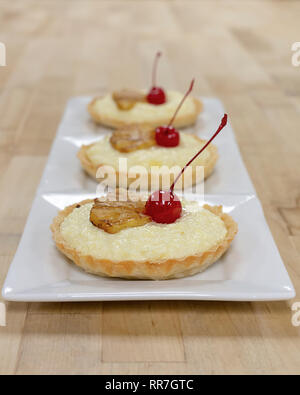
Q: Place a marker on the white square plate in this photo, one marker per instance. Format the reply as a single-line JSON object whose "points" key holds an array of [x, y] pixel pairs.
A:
{"points": [[251, 270]]}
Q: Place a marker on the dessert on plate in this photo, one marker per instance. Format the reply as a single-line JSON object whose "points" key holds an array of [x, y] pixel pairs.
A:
{"points": [[150, 153], [131, 106], [162, 238]]}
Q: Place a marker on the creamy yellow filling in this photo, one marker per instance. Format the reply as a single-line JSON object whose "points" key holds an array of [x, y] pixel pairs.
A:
{"points": [[102, 152], [196, 231], [145, 112]]}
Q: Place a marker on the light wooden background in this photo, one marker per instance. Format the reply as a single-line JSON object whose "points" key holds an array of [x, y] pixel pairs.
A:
{"points": [[239, 51]]}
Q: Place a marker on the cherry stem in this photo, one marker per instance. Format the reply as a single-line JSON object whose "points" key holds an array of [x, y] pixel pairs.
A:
{"points": [[222, 125], [181, 103], [158, 55]]}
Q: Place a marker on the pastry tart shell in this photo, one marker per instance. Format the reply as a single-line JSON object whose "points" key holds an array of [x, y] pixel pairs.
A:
{"points": [[182, 120], [159, 270]]}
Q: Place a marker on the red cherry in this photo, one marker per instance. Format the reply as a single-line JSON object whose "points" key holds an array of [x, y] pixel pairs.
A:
{"points": [[156, 96], [167, 136], [164, 207]]}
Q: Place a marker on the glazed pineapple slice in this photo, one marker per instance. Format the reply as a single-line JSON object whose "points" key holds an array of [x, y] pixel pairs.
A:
{"points": [[112, 217], [126, 98], [132, 138]]}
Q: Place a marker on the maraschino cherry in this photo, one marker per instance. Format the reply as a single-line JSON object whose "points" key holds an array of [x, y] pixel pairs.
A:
{"points": [[168, 136], [156, 94], [165, 207]]}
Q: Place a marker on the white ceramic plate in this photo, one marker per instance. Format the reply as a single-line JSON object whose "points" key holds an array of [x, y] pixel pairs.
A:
{"points": [[251, 270]]}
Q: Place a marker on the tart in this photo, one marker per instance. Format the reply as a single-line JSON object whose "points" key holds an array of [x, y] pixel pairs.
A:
{"points": [[147, 250], [157, 161], [153, 108]]}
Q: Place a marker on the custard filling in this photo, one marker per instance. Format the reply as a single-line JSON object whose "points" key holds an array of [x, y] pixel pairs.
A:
{"points": [[102, 152], [197, 231]]}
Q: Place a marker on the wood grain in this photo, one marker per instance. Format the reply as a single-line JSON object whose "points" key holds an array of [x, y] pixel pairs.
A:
{"points": [[238, 51]]}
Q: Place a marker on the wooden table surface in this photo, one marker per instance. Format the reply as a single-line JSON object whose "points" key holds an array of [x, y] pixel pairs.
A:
{"points": [[239, 51]]}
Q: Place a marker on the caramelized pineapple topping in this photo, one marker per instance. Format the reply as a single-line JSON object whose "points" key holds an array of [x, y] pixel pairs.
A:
{"points": [[112, 217], [126, 98], [132, 138]]}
